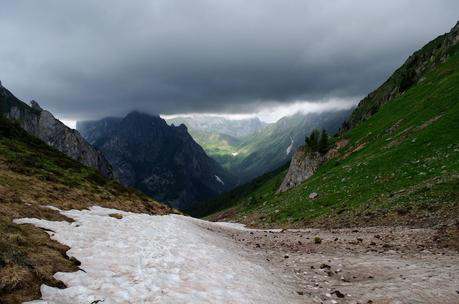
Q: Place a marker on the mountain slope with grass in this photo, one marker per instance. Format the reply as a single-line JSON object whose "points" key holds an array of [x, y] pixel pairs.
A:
{"points": [[400, 165], [34, 175], [274, 145]]}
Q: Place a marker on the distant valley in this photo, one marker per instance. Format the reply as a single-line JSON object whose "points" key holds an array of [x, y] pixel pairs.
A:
{"points": [[260, 147]]}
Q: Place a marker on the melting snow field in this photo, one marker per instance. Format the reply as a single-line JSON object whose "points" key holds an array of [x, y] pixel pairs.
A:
{"points": [[154, 259], [289, 148]]}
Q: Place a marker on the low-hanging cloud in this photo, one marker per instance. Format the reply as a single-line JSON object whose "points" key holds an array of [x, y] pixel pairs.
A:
{"points": [[87, 59]]}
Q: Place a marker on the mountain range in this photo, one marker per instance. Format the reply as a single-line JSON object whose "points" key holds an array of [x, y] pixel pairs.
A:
{"points": [[263, 149], [161, 160]]}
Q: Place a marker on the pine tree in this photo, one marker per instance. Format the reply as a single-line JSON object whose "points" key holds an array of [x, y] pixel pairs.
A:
{"points": [[323, 145], [313, 140]]}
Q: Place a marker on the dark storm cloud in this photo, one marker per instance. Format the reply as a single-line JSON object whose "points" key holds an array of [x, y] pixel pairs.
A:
{"points": [[87, 59]]}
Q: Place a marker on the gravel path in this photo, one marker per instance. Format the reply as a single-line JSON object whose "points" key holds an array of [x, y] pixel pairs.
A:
{"points": [[371, 265]]}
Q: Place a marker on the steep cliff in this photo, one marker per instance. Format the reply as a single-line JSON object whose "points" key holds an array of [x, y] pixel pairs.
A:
{"points": [[161, 160], [42, 124]]}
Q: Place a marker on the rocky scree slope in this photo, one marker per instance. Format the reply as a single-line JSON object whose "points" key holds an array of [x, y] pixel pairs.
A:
{"points": [[43, 125], [398, 166], [34, 175], [161, 160]]}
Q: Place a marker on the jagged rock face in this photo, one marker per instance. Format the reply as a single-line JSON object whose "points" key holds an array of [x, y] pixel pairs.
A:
{"points": [[302, 166], [45, 126], [161, 160]]}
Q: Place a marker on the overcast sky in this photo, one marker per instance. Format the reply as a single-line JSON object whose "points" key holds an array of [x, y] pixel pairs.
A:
{"points": [[87, 59]]}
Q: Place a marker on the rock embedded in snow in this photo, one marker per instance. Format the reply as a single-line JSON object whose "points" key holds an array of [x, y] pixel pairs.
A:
{"points": [[155, 259]]}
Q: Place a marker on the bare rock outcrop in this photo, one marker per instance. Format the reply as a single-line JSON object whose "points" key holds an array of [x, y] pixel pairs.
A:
{"points": [[302, 166], [305, 163], [42, 124]]}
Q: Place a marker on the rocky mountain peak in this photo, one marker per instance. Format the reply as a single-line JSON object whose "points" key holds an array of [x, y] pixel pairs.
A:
{"points": [[182, 127], [143, 119], [161, 160], [35, 105]]}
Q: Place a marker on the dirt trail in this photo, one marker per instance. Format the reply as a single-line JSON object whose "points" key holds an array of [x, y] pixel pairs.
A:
{"points": [[372, 265]]}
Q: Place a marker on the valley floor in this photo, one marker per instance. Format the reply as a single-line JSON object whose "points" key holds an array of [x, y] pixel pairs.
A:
{"points": [[138, 258], [366, 265]]}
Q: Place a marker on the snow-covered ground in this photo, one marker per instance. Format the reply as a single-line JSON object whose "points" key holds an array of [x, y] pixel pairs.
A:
{"points": [[219, 180], [155, 259]]}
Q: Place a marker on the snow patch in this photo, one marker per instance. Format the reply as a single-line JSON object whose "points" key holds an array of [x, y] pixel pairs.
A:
{"points": [[219, 180], [289, 148], [155, 259], [235, 154]]}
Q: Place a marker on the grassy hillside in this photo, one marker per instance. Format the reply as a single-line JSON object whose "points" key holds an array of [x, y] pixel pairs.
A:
{"points": [[221, 147], [413, 70], [33, 175], [401, 165]]}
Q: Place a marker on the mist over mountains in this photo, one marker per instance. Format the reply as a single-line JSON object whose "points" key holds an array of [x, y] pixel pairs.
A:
{"points": [[213, 124]]}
